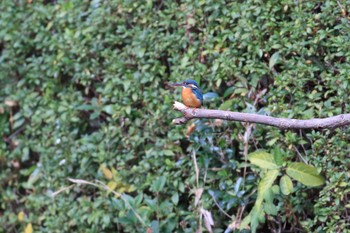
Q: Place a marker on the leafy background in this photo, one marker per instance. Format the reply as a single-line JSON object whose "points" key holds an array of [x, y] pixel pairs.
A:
{"points": [[84, 95]]}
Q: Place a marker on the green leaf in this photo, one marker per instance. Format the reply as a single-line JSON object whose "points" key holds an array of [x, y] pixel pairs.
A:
{"points": [[269, 195], [255, 216], [263, 189], [18, 123], [227, 105], [140, 52], [191, 21], [278, 156], [168, 152], [286, 185], [228, 91], [175, 198], [128, 109], [158, 184], [86, 107], [305, 174], [275, 189], [181, 187], [108, 109], [272, 141], [155, 226], [266, 183], [34, 176], [270, 209], [247, 219], [274, 59], [263, 159]]}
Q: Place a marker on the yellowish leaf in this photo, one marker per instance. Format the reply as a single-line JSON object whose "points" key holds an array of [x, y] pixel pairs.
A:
{"points": [[106, 172], [112, 185], [130, 188], [217, 48], [114, 172], [20, 216], [29, 228], [121, 190]]}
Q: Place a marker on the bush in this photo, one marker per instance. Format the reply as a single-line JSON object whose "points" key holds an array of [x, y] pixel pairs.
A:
{"points": [[84, 95]]}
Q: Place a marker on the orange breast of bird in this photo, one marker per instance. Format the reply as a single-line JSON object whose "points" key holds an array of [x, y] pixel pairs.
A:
{"points": [[190, 99]]}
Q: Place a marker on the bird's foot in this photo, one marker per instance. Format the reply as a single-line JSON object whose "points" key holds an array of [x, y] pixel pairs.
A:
{"points": [[194, 111]]}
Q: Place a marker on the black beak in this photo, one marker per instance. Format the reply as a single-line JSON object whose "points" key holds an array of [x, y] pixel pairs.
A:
{"points": [[178, 84]]}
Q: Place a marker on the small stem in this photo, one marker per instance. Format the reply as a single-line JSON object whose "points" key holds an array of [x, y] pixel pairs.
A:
{"points": [[195, 167], [223, 211]]}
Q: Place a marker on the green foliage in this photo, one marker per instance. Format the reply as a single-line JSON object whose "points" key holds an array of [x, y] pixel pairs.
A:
{"points": [[84, 95], [301, 172]]}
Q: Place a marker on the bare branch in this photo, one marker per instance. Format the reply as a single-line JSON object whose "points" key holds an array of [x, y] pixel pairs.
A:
{"points": [[282, 123]]}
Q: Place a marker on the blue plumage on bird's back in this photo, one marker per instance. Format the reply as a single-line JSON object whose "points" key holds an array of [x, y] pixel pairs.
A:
{"points": [[199, 94]]}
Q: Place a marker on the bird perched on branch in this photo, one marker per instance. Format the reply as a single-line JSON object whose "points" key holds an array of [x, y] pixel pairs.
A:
{"points": [[191, 94]]}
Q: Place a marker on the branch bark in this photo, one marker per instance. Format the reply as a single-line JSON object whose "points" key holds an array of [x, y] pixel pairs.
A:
{"points": [[282, 123]]}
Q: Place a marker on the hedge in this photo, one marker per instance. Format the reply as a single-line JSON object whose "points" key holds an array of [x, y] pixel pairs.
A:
{"points": [[84, 95]]}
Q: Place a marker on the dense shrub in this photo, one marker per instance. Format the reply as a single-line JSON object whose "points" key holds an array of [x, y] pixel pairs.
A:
{"points": [[84, 95]]}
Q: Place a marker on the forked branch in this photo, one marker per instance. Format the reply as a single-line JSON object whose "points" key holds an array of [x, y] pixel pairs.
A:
{"points": [[282, 123]]}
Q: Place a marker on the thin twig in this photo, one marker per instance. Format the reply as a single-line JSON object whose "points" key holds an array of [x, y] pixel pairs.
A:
{"points": [[301, 157], [217, 204], [247, 133], [23, 127], [61, 190], [195, 167]]}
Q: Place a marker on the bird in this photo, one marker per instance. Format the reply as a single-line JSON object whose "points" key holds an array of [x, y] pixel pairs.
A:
{"points": [[191, 94]]}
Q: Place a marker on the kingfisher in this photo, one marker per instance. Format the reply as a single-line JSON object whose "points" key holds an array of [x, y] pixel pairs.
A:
{"points": [[192, 95]]}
